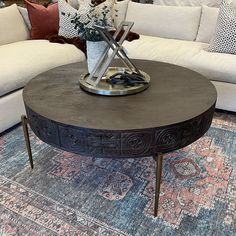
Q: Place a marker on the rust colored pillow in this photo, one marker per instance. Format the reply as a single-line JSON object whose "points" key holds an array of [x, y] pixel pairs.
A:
{"points": [[44, 21]]}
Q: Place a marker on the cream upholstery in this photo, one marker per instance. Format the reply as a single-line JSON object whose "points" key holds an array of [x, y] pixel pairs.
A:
{"points": [[207, 24], [219, 68], [164, 21], [173, 51], [23, 60], [226, 96], [11, 109], [12, 25], [23, 11], [213, 3], [215, 66], [120, 11]]}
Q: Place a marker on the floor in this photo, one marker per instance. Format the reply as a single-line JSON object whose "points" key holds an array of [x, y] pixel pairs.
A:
{"points": [[69, 194]]}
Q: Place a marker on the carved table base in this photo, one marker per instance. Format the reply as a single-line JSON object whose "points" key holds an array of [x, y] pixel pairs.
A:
{"points": [[158, 159]]}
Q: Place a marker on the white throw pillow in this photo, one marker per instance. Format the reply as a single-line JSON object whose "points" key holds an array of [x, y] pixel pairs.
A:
{"points": [[208, 24], [12, 26], [66, 28], [164, 21], [25, 15], [211, 3], [120, 10], [224, 39]]}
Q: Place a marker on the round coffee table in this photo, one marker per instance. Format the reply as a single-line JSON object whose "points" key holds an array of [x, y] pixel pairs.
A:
{"points": [[173, 112]]}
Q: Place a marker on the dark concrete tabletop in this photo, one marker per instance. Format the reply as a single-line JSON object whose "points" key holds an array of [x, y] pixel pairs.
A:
{"points": [[176, 94]]}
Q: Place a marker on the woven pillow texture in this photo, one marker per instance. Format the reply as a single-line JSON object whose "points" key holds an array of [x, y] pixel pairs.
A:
{"points": [[66, 14], [224, 39]]}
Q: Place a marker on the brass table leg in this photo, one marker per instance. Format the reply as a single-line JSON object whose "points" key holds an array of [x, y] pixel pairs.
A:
{"points": [[158, 160], [24, 122]]}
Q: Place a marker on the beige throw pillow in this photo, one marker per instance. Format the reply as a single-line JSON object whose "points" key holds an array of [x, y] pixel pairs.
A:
{"points": [[12, 26], [208, 24], [120, 10], [212, 3], [164, 21], [23, 11]]}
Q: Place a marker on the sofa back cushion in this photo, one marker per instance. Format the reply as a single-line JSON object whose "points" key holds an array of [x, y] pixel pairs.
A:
{"points": [[164, 21], [208, 24], [12, 26], [212, 3]]}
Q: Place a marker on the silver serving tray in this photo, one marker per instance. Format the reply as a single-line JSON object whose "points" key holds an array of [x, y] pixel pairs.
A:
{"points": [[105, 88]]}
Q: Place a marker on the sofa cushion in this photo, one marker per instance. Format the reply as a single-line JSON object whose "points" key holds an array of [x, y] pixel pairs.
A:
{"points": [[12, 108], [208, 24], [164, 21], [44, 21], [215, 66], [12, 25], [212, 3], [31, 58], [173, 51]]}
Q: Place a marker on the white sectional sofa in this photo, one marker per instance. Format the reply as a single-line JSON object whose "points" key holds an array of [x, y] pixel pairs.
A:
{"points": [[180, 35], [21, 59], [177, 35]]}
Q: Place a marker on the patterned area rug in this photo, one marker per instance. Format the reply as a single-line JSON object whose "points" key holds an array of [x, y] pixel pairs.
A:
{"points": [[67, 194]]}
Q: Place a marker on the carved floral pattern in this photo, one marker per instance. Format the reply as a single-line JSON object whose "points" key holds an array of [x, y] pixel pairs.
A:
{"points": [[120, 144]]}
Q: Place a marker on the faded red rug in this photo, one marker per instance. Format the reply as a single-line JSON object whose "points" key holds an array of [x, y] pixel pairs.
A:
{"points": [[67, 194]]}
